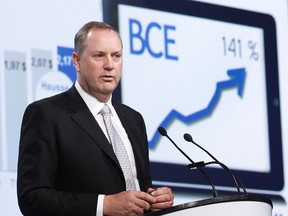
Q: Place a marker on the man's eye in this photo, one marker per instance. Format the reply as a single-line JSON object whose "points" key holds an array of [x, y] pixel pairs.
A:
{"points": [[117, 57], [97, 56]]}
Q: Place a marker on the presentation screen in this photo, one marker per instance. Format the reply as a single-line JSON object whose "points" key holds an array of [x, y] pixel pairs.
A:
{"points": [[209, 71]]}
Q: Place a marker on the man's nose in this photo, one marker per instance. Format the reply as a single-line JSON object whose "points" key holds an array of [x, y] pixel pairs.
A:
{"points": [[108, 64]]}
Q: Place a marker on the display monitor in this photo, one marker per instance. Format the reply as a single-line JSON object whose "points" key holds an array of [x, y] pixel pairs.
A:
{"points": [[210, 71]]}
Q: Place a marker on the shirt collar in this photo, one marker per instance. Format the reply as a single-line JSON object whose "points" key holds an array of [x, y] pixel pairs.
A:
{"points": [[93, 103]]}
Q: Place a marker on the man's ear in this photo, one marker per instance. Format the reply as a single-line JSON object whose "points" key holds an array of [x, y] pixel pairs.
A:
{"points": [[76, 59]]}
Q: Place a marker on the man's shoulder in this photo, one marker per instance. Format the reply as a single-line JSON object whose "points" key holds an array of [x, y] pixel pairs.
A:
{"points": [[120, 106], [127, 112], [56, 98], [50, 99]]}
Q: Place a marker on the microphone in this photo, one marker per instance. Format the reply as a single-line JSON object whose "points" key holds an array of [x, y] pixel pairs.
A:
{"points": [[193, 165], [236, 181]]}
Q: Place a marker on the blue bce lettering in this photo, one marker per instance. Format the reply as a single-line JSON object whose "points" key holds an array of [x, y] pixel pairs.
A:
{"points": [[142, 37]]}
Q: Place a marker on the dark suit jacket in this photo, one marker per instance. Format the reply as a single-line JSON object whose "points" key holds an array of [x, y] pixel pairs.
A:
{"points": [[65, 160]]}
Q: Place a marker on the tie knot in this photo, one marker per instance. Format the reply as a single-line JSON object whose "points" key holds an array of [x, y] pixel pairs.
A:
{"points": [[105, 110]]}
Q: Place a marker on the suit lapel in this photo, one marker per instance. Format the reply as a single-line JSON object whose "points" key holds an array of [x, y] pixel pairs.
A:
{"points": [[85, 120], [130, 132]]}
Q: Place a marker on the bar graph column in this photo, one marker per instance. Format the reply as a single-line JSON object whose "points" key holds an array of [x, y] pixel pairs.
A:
{"points": [[2, 156], [41, 63], [65, 63], [15, 103]]}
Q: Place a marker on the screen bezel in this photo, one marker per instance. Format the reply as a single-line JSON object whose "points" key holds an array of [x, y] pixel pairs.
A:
{"points": [[175, 173]]}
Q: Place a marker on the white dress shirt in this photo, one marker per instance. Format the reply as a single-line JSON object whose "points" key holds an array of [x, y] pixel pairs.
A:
{"points": [[95, 106]]}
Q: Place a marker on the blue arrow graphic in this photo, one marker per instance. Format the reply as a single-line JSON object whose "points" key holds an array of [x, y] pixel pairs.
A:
{"points": [[237, 79]]}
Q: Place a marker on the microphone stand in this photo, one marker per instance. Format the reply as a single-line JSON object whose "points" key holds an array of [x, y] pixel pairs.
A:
{"points": [[236, 181], [163, 132]]}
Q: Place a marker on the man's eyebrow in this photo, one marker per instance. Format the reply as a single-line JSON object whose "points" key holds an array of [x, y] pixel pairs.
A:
{"points": [[101, 51]]}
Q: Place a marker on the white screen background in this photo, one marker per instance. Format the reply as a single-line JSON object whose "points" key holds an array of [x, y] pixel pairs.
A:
{"points": [[156, 86]]}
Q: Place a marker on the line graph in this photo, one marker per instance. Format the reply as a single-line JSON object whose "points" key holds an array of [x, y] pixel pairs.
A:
{"points": [[237, 80]]}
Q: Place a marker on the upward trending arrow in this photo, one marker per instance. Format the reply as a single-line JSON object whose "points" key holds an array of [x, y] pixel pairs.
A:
{"points": [[237, 79]]}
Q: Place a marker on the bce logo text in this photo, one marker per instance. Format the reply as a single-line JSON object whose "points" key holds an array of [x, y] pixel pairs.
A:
{"points": [[141, 35]]}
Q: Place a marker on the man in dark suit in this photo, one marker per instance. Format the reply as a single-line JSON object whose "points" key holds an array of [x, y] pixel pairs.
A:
{"points": [[67, 165]]}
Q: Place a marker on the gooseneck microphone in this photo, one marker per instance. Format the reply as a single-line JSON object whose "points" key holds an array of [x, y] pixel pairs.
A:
{"points": [[193, 165], [236, 181]]}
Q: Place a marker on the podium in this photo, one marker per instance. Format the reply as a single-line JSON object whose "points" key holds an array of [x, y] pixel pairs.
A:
{"points": [[236, 205]]}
